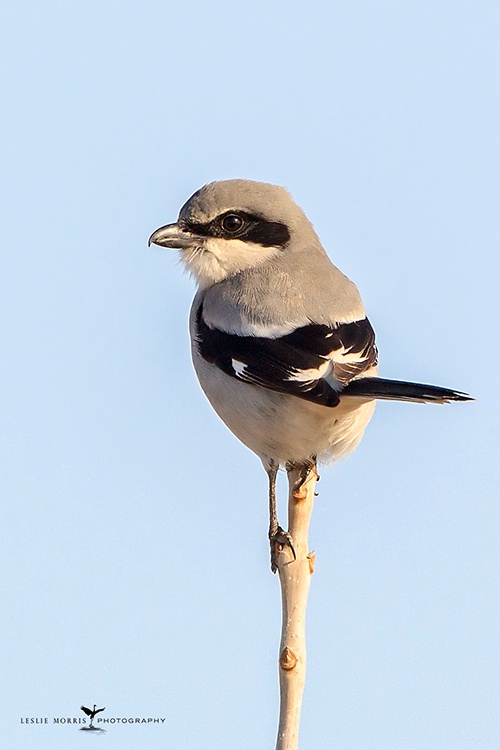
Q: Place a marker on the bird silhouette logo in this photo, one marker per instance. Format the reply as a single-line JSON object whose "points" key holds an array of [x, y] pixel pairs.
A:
{"points": [[92, 712]]}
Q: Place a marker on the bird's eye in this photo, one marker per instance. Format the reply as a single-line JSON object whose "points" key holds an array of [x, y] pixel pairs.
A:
{"points": [[232, 223]]}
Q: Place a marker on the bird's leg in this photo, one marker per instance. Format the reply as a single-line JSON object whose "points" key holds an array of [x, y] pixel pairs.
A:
{"points": [[272, 473], [277, 535]]}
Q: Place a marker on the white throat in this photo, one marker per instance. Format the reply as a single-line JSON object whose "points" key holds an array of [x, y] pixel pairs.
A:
{"points": [[215, 259]]}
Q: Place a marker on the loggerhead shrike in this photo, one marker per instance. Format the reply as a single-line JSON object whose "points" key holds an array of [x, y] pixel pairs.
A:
{"points": [[281, 344]]}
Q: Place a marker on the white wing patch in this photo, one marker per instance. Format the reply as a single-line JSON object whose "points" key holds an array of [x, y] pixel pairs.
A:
{"points": [[238, 367], [344, 355], [315, 373]]}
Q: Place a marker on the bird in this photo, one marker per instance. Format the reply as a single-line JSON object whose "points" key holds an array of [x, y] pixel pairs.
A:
{"points": [[92, 711], [280, 340]]}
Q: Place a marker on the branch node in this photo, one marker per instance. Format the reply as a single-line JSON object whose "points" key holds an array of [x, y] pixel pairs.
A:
{"points": [[300, 494], [312, 561], [288, 660]]}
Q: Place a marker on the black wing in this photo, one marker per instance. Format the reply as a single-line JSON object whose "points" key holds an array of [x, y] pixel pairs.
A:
{"points": [[88, 711], [298, 363]]}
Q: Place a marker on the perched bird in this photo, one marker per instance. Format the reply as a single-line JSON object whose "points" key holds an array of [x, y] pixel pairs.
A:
{"points": [[280, 341], [92, 711]]}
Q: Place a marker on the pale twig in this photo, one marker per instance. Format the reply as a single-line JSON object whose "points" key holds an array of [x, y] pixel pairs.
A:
{"points": [[295, 578]]}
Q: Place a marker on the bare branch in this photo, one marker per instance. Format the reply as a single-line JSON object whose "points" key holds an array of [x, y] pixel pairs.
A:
{"points": [[295, 578]]}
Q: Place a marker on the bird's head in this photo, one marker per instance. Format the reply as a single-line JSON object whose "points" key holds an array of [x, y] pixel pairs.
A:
{"points": [[229, 226]]}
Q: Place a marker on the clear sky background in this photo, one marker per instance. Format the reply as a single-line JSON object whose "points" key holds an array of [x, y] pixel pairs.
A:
{"points": [[134, 558]]}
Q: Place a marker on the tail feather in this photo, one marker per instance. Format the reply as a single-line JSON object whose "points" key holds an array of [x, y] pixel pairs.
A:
{"points": [[400, 390]]}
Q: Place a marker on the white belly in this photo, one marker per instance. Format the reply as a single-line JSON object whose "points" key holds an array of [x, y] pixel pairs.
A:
{"points": [[282, 427]]}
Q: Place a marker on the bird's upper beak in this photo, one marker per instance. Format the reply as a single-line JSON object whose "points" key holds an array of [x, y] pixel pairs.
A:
{"points": [[172, 235]]}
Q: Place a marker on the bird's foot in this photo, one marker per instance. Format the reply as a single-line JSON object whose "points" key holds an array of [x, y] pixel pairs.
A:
{"points": [[278, 540], [305, 472]]}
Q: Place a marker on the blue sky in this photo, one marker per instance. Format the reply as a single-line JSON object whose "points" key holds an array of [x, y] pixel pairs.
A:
{"points": [[382, 120]]}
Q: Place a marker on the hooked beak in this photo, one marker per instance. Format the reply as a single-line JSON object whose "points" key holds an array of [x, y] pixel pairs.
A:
{"points": [[172, 235]]}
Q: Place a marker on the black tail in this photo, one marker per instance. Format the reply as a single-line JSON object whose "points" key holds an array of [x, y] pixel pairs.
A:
{"points": [[400, 390]]}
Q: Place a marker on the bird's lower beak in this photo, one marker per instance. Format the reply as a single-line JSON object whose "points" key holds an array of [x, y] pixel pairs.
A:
{"points": [[171, 236]]}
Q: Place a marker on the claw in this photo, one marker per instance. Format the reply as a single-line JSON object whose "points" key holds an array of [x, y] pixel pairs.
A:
{"points": [[304, 474], [303, 477], [281, 538]]}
